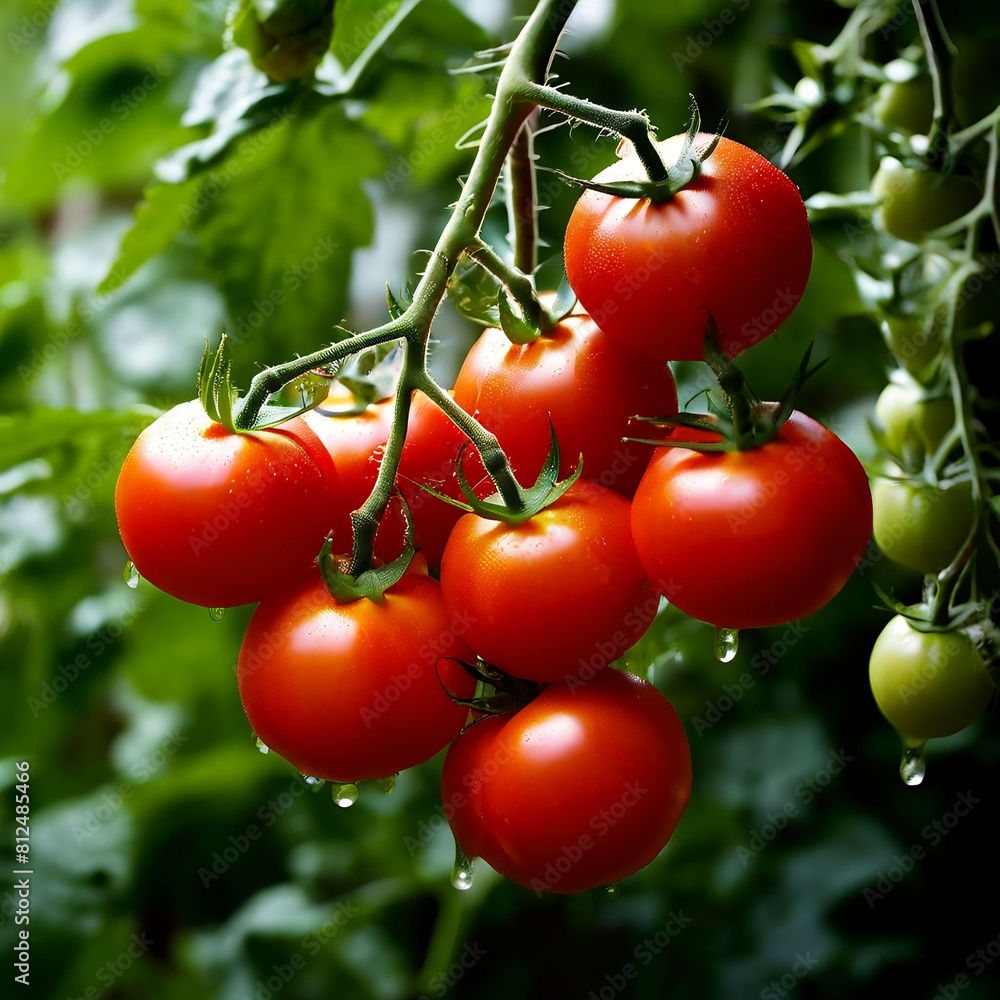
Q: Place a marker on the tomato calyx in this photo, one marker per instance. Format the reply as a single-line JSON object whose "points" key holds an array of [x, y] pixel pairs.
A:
{"points": [[497, 693], [745, 421], [545, 491], [222, 402], [683, 171], [372, 584]]}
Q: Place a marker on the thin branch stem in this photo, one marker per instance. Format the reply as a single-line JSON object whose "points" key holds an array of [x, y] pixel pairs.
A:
{"points": [[522, 197]]}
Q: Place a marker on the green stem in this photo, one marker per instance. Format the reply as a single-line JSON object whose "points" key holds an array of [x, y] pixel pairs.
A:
{"points": [[521, 197], [939, 59], [632, 125], [517, 282]]}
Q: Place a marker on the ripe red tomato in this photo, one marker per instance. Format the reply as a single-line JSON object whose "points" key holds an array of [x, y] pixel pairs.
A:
{"points": [[356, 690], [430, 458], [746, 539], [734, 243], [579, 377], [355, 442], [582, 787], [560, 595], [218, 518]]}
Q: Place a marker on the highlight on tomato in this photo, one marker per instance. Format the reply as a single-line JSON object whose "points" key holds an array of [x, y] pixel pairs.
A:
{"points": [[560, 594], [352, 690], [757, 537], [220, 518], [577, 377], [733, 244], [582, 787]]}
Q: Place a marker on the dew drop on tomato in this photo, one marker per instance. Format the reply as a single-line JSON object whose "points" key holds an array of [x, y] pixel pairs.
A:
{"points": [[261, 745], [345, 794], [726, 645], [216, 614], [912, 767], [312, 781], [463, 870], [131, 575]]}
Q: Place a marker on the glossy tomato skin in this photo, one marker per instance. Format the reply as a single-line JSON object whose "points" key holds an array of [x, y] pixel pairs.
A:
{"points": [[355, 442], [734, 243], [589, 386], [561, 595], [747, 539], [220, 519], [352, 691], [927, 684], [582, 787]]}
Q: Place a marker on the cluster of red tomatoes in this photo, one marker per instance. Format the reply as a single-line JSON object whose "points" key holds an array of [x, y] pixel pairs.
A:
{"points": [[585, 781]]}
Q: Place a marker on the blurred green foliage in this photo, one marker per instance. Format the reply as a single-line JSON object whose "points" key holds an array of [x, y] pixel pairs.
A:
{"points": [[157, 189]]}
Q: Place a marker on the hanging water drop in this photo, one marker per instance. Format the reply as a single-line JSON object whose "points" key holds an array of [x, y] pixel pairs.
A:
{"points": [[311, 781], [261, 745], [216, 614], [387, 784], [913, 767], [727, 642], [131, 575], [613, 890], [345, 794], [464, 869]]}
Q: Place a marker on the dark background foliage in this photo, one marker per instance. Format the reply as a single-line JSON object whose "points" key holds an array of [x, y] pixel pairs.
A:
{"points": [[173, 861]]}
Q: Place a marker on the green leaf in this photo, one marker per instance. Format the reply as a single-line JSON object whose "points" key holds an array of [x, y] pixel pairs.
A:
{"points": [[473, 292]]}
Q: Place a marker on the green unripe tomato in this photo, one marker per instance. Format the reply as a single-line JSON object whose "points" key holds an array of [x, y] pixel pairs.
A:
{"points": [[920, 526], [906, 106], [927, 684], [913, 425], [914, 342], [916, 202]]}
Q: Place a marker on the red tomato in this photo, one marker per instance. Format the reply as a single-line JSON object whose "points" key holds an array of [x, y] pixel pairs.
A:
{"points": [[561, 595], [355, 442], [589, 387], [218, 518], [734, 243], [429, 458], [582, 787], [745, 539], [356, 690]]}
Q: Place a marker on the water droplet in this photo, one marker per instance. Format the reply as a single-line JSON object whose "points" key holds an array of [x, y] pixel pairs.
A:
{"points": [[463, 871], [216, 614], [913, 767], [727, 642], [261, 745], [613, 890], [311, 781], [131, 575], [386, 785], [345, 794]]}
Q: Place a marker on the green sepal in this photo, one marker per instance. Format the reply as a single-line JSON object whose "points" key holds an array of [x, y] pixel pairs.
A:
{"points": [[682, 171], [517, 329], [563, 304], [509, 693], [918, 615], [397, 305], [215, 387], [372, 583]]}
